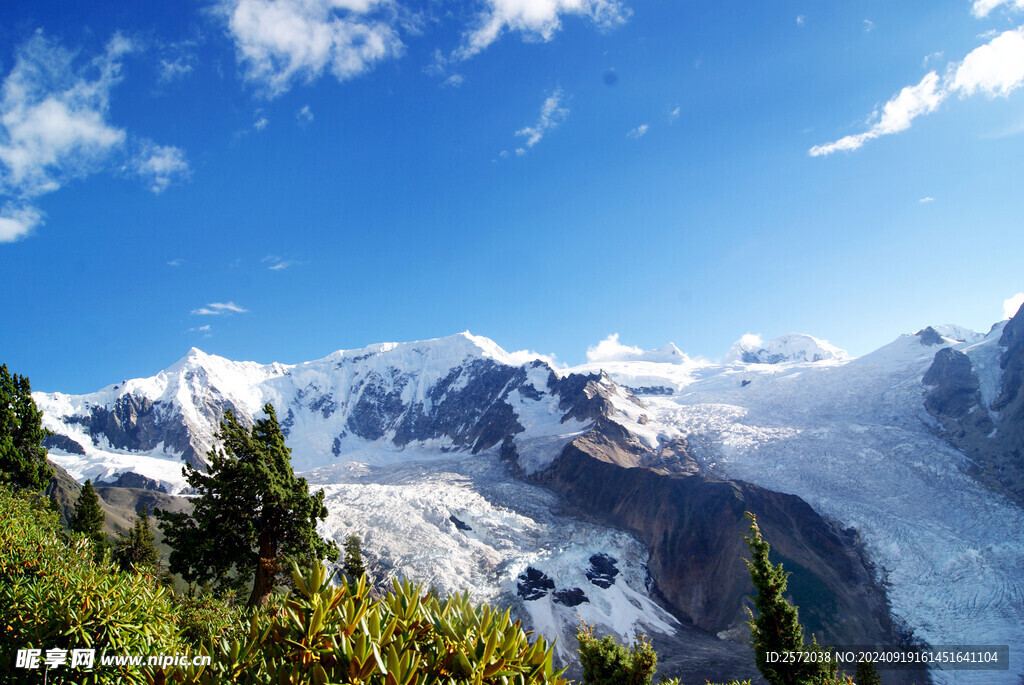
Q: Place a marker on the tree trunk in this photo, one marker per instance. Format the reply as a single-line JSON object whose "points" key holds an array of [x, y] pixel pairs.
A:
{"points": [[267, 567]]}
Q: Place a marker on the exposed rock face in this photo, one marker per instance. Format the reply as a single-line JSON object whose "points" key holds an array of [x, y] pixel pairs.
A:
{"points": [[130, 479], [534, 584], [929, 337], [693, 526], [602, 570], [62, 442], [956, 391], [992, 437]]}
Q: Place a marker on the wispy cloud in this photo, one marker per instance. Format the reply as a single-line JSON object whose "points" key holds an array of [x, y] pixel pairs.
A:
{"points": [[869, 26], [994, 69], [552, 113], [926, 200], [536, 19], [260, 123], [638, 132], [176, 262], [982, 8], [275, 263], [304, 115], [674, 114], [218, 309], [54, 128], [454, 81], [801, 20], [1012, 305], [159, 165], [281, 42]]}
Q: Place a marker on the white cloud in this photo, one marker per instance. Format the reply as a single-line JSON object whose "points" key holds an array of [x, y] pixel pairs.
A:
{"points": [[637, 132], [551, 115], [280, 42], [981, 8], [200, 329], [18, 221], [160, 165], [674, 114], [897, 114], [54, 128], [1012, 305], [218, 308], [260, 123], [53, 118], [176, 262], [869, 26], [801, 20], [537, 19], [454, 81], [176, 68], [521, 357], [925, 200], [304, 115], [610, 349], [995, 69]]}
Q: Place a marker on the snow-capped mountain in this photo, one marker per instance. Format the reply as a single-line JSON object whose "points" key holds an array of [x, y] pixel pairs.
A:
{"points": [[615, 490], [750, 349]]}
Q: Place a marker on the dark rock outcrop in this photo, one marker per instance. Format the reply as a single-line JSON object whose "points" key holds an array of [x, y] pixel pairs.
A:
{"points": [[534, 584], [570, 598], [459, 523], [993, 437], [929, 337], [955, 392], [130, 479], [602, 570], [55, 441], [693, 526]]}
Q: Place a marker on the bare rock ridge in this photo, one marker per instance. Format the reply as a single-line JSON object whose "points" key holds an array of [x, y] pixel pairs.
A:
{"points": [[693, 526], [992, 437]]}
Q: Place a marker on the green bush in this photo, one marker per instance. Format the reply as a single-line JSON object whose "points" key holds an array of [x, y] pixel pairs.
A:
{"points": [[324, 633], [606, 662], [53, 595]]}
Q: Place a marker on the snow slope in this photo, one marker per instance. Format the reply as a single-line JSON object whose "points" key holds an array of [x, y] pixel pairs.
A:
{"points": [[853, 439]]}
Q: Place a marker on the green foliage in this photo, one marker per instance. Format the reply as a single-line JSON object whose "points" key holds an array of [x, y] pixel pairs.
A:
{"points": [[203, 618], [606, 662], [866, 674], [53, 595], [136, 549], [324, 633], [89, 517], [354, 566], [22, 457], [251, 513], [776, 628]]}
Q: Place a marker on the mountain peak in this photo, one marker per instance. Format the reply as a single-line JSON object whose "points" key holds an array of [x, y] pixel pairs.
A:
{"points": [[793, 347]]}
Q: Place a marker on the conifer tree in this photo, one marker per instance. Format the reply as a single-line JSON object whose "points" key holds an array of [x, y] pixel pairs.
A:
{"points": [[88, 518], [776, 627], [354, 566], [136, 549], [251, 513], [22, 456], [866, 674]]}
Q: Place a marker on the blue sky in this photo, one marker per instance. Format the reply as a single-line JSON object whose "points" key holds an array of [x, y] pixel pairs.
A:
{"points": [[278, 179]]}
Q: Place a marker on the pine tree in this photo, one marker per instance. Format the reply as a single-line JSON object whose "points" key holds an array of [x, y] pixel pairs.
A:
{"points": [[354, 566], [866, 674], [250, 514], [136, 549], [22, 457], [88, 518], [776, 628], [606, 662]]}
